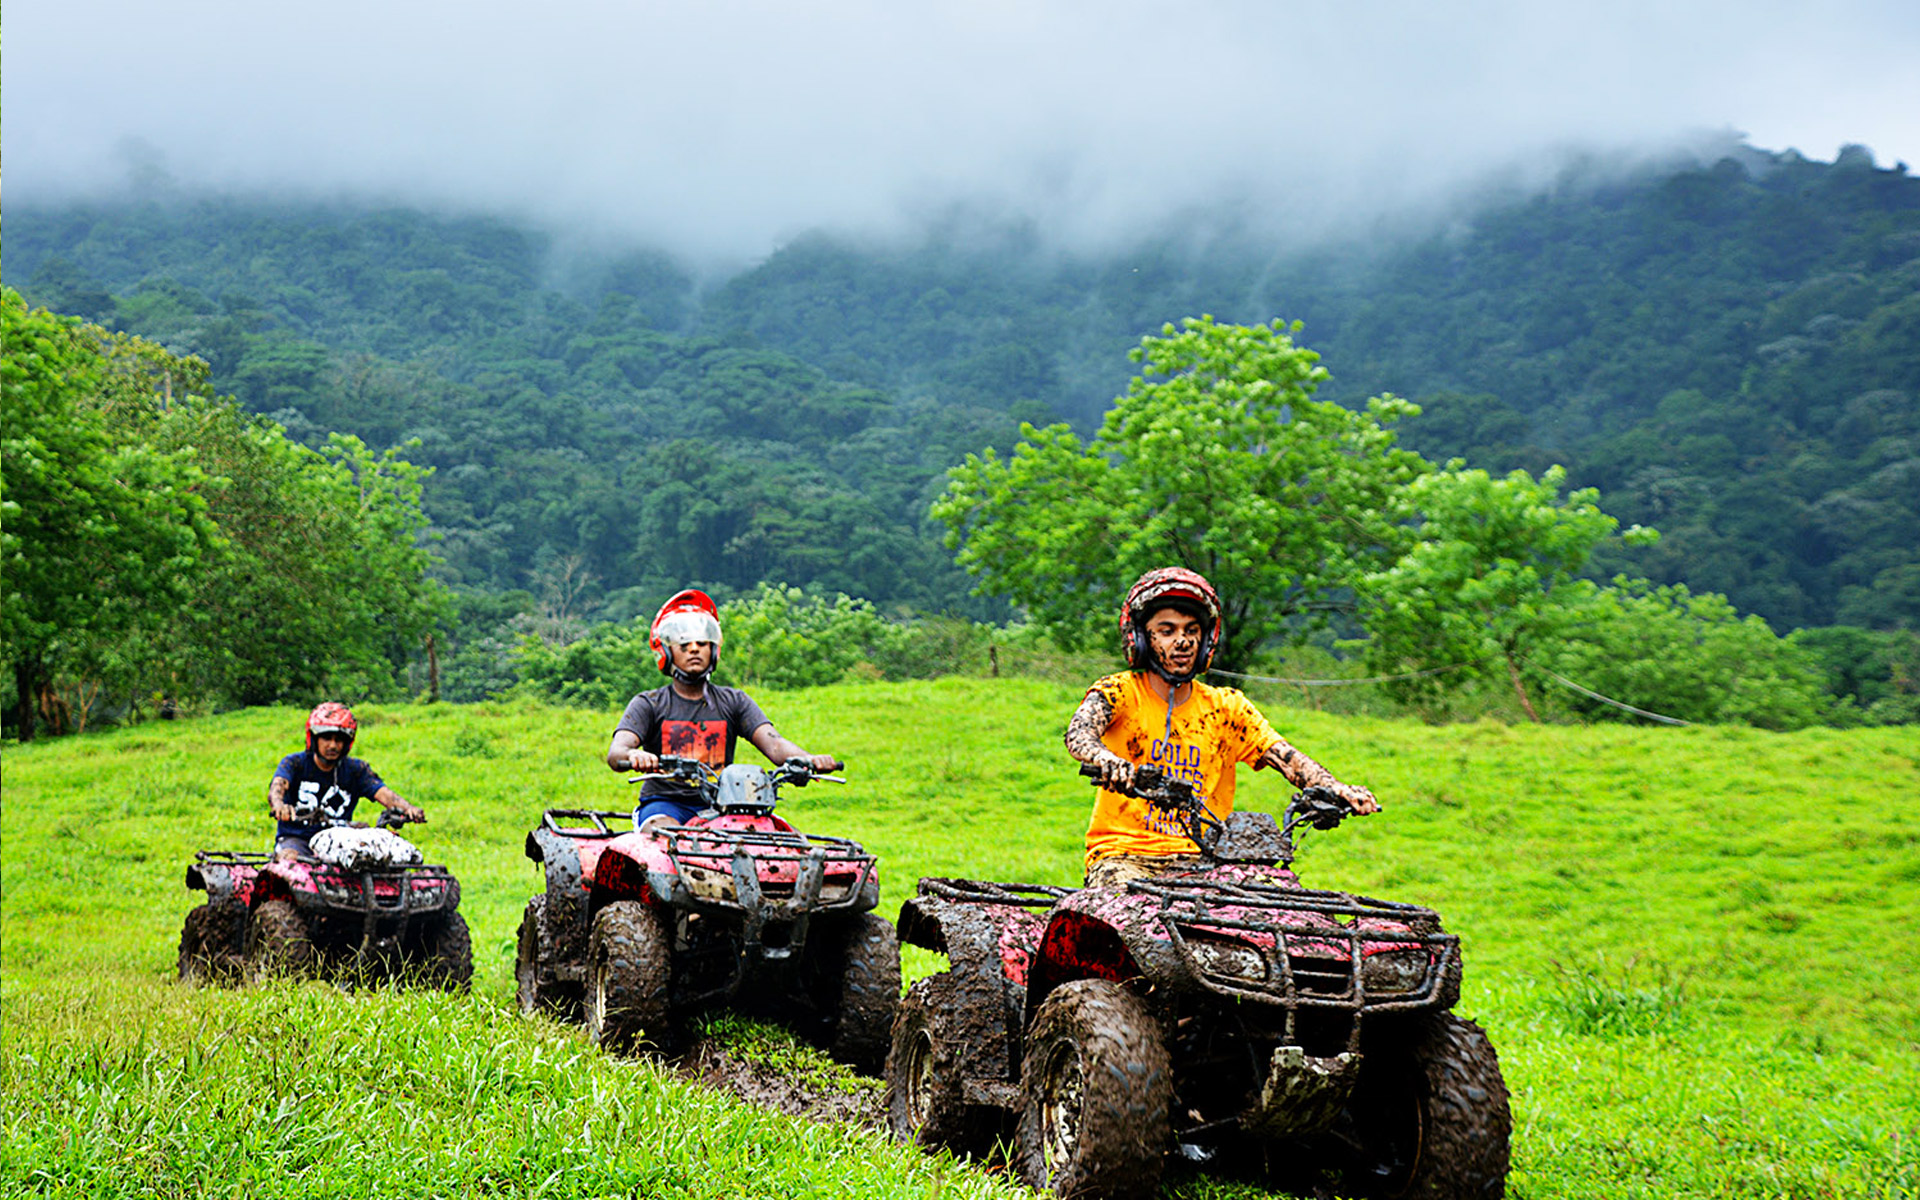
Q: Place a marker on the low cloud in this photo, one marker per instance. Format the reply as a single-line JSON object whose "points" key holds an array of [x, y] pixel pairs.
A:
{"points": [[721, 129]]}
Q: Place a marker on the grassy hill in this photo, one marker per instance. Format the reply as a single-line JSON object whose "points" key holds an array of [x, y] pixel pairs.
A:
{"points": [[1690, 947]]}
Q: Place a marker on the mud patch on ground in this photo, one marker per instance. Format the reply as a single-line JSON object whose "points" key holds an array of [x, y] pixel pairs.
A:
{"points": [[818, 1091]]}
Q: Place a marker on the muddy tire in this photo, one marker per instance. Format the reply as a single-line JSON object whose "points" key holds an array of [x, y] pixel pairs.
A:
{"points": [[534, 987], [1431, 1118], [629, 970], [864, 993], [213, 943], [446, 954], [278, 943], [1098, 1084], [926, 1105]]}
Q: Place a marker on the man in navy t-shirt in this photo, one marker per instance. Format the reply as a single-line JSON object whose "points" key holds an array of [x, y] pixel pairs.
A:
{"points": [[691, 717], [319, 786]]}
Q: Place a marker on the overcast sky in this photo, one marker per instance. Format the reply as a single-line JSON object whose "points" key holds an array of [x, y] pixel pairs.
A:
{"points": [[720, 129]]}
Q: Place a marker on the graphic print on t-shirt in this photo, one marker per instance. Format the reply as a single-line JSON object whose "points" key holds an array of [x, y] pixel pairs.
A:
{"points": [[703, 740], [335, 803]]}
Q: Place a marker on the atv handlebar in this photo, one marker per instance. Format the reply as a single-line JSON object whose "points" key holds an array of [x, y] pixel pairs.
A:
{"points": [[1319, 807], [1174, 795], [797, 771]]}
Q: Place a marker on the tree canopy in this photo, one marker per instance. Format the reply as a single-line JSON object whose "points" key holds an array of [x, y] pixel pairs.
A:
{"points": [[1219, 459]]}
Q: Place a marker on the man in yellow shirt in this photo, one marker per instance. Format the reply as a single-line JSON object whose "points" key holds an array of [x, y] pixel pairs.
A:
{"points": [[1158, 714]]}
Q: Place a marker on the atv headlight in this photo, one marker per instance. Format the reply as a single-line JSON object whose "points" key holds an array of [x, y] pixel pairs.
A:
{"points": [[1394, 970], [1234, 959]]}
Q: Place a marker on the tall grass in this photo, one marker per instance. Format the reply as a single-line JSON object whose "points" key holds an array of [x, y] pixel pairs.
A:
{"points": [[1691, 947]]}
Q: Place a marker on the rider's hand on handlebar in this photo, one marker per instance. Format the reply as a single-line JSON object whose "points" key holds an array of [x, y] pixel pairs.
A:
{"points": [[282, 811], [642, 760], [1116, 774], [1359, 799], [825, 764]]}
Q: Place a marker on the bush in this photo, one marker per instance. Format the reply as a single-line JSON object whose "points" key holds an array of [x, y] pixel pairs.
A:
{"points": [[1669, 651], [783, 637]]}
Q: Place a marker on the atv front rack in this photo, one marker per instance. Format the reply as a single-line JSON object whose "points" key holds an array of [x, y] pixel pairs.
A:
{"points": [[1304, 949], [389, 891], [738, 855]]}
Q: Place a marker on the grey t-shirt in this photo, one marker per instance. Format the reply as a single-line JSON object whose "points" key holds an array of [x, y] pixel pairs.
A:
{"points": [[706, 729]]}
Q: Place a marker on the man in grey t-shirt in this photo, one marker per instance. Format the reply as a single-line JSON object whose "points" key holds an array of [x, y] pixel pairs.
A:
{"points": [[691, 717]]}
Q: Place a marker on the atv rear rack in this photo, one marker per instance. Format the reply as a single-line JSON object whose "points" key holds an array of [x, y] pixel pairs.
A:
{"points": [[982, 891], [597, 816]]}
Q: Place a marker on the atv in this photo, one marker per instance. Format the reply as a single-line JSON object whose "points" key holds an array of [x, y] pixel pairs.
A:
{"points": [[365, 921], [639, 929], [1224, 1014]]}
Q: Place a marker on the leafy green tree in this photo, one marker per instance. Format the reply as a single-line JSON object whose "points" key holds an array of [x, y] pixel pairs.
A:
{"points": [[1686, 655], [99, 540], [1219, 459], [1493, 577]]}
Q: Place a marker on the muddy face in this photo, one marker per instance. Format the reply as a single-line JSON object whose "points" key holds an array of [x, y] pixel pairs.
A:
{"points": [[1174, 637]]}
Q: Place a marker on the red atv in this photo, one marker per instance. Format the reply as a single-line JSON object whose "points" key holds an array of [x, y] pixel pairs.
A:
{"points": [[307, 917], [641, 929], [1224, 1014]]}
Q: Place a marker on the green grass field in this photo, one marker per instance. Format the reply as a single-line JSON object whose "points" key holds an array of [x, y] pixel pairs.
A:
{"points": [[1694, 949]]}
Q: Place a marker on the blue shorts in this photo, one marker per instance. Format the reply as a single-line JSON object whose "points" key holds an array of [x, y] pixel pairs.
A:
{"points": [[677, 811]]}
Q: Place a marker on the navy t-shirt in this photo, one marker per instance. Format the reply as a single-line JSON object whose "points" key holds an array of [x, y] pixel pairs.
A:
{"points": [[336, 791], [706, 729]]}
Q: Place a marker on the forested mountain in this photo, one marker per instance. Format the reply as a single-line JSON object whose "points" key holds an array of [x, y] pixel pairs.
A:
{"points": [[1729, 350]]}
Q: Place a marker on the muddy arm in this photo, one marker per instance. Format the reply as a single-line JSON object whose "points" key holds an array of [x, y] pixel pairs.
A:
{"points": [[1303, 772], [1089, 721]]}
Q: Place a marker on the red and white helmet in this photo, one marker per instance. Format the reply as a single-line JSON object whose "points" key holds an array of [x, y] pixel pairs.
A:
{"points": [[689, 616], [1161, 588], [331, 717]]}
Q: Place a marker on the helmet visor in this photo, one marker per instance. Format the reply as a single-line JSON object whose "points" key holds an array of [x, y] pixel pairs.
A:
{"points": [[677, 629]]}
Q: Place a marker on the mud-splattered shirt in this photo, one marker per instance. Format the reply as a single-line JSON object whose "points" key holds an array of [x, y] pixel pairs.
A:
{"points": [[707, 729], [1211, 733]]}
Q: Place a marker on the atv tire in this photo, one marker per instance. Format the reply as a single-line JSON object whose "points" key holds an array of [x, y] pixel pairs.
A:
{"points": [[1098, 1084], [213, 943], [534, 986], [278, 943], [1435, 1123], [629, 971], [864, 993], [446, 953], [926, 1104]]}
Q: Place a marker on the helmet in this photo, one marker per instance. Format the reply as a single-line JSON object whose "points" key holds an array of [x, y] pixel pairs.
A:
{"points": [[331, 717], [1169, 587], [689, 616]]}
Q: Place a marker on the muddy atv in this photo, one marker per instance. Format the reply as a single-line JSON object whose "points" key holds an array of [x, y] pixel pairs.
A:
{"points": [[1226, 1015], [264, 917], [639, 930]]}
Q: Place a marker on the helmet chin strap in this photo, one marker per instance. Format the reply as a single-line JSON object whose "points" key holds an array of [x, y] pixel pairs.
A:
{"points": [[689, 677]]}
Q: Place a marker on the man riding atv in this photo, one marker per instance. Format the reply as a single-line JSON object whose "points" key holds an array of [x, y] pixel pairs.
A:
{"points": [[1157, 714], [691, 717], [320, 786]]}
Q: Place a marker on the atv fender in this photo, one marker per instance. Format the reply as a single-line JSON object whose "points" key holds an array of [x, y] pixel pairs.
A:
{"points": [[563, 922], [218, 882], [1101, 933], [990, 948]]}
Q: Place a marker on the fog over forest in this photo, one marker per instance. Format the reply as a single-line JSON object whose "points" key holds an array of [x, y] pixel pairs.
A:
{"points": [[721, 130]]}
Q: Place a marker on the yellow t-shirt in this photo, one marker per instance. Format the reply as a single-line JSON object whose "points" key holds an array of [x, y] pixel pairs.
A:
{"points": [[1213, 731]]}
